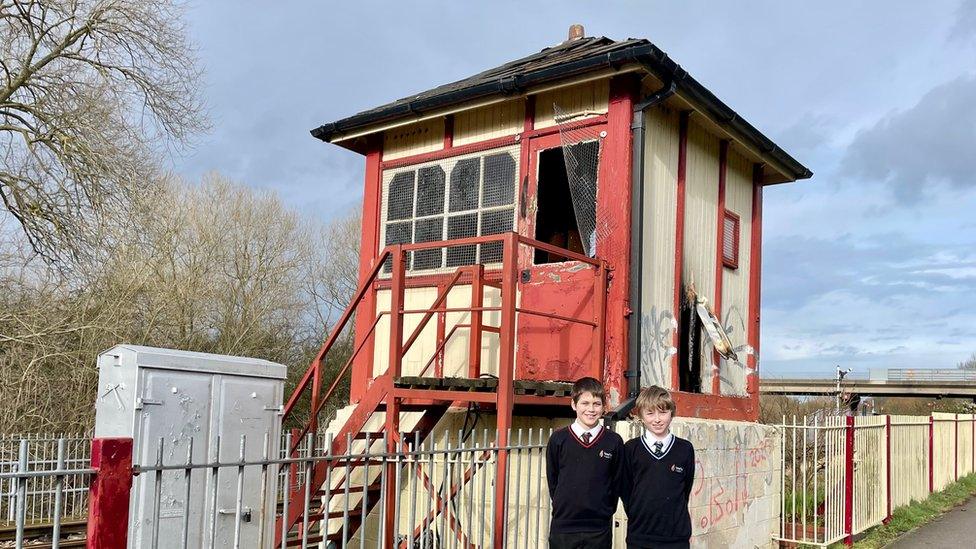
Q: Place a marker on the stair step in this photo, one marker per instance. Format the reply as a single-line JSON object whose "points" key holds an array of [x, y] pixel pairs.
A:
{"points": [[297, 542], [358, 489], [356, 512]]}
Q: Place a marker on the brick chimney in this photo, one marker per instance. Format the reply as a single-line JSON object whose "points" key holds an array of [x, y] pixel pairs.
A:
{"points": [[576, 32]]}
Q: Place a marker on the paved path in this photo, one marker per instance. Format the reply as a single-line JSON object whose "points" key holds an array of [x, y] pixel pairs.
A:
{"points": [[957, 528]]}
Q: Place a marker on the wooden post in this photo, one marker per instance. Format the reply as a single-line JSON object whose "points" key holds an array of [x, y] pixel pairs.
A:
{"points": [[108, 495], [849, 482]]}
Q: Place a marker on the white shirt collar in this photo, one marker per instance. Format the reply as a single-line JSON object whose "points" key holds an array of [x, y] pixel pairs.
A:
{"points": [[579, 430], [651, 438]]}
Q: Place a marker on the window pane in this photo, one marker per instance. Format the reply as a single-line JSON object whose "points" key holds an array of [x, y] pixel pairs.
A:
{"points": [[398, 233], [499, 188], [428, 230], [494, 223], [399, 201], [430, 191], [464, 184], [461, 226]]}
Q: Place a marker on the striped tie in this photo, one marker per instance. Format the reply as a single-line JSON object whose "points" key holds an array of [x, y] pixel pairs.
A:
{"points": [[657, 448], [586, 437]]}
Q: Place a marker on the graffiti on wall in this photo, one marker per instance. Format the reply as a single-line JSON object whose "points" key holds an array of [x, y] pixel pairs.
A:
{"points": [[657, 338], [733, 373], [733, 469]]}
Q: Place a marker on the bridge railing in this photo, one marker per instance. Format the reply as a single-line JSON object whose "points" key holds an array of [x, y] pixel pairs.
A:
{"points": [[921, 374], [843, 475]]}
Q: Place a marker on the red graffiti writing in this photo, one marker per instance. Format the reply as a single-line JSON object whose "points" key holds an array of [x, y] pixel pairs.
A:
{"points": [[725, 495]]}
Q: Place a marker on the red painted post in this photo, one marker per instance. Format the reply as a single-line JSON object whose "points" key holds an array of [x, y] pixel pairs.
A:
{"points": [[887, 518], [723, 163], [931, 454], [506, 383], [394, 370], [849, 482], [295, 433], [108, 495], [474, 341], [600, 318], [755, 272]]}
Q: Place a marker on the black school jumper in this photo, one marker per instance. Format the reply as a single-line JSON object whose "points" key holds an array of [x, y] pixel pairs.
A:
{"points": [[583, 480], [655, 493]]}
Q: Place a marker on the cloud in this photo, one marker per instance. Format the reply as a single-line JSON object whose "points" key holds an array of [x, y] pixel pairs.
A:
{"points": [[965, 25], [928, 145]]}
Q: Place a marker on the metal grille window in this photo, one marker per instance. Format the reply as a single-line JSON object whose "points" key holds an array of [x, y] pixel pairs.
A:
{"points": [[730, 240], [460, 197]]}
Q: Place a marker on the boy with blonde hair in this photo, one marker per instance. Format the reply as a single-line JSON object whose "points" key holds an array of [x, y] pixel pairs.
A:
{"points": [[583, 463], [659, 470]]}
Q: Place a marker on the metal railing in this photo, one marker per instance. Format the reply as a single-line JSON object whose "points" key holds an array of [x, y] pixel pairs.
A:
{"points": [[44, 452], [843, 475], [38, 487], [443, 487]]}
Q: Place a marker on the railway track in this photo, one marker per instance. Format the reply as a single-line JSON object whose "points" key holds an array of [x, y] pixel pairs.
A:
{"points": [[38, 536]]}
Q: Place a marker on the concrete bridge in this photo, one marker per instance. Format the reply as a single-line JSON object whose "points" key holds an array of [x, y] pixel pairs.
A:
{"points": [[881, 383]]}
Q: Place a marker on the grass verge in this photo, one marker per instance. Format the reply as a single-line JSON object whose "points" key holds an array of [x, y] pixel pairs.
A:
{"points": [[909, 517]]}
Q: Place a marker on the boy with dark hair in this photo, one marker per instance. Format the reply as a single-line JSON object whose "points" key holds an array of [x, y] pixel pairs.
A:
{"points": [[659, 470], [583, 463]]}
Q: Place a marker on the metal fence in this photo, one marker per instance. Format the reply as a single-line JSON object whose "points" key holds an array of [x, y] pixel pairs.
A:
{"points": [[46, 489], [44, 452], [843, 475], [443, 493]]}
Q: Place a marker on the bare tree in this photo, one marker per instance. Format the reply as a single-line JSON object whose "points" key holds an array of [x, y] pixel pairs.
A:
{"points": [[213, 267], [89, 89], [968, 364]]}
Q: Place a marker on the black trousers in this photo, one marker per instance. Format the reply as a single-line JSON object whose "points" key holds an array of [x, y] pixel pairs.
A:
{"points": [[581, 540]]}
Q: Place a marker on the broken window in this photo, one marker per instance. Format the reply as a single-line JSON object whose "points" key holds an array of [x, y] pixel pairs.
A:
{"points": [[455, 198], [564, 204]]}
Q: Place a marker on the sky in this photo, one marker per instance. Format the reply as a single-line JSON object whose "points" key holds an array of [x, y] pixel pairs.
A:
{"points": [[871, 263]]}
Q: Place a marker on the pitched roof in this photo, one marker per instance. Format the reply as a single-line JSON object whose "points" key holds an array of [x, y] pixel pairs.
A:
{"points": [[560, 62]]}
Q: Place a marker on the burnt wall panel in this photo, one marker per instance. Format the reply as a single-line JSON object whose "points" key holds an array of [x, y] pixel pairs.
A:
{"points": [[701, 218]]}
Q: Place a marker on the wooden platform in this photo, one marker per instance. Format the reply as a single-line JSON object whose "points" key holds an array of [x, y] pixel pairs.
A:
{"points": [[485, 385]]}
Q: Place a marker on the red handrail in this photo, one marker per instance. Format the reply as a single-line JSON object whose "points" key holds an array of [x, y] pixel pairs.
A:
{"points": [[312, 375]]}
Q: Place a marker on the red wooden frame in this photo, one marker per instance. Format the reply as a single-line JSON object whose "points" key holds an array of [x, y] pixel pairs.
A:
{"points": [[613, 203], [723, 161], [369, 241], [755, 274]]}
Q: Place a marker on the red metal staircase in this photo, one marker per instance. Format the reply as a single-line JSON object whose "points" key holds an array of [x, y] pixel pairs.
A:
{"points": [[388, 396]]}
